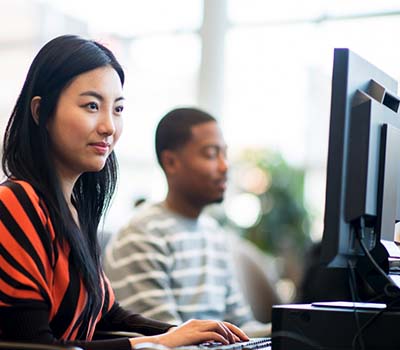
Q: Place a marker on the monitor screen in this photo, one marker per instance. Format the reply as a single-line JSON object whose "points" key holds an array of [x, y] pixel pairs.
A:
{"points": [[363, 171]]}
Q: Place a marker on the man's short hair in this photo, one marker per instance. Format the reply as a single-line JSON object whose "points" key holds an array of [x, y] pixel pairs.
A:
{"points": [[174, 129]]}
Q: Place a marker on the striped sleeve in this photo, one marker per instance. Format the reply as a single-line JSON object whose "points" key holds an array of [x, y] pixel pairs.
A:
{"points": [[138, 264], [25, 247]]}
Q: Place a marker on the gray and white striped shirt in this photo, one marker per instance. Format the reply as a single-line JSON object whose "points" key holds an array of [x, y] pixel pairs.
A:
{"points": [[173, 269]]}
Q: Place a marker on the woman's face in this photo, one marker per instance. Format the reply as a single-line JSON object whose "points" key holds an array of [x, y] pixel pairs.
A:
{"points": [[87, 122]]}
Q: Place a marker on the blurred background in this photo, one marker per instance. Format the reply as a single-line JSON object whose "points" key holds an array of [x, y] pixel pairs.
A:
{"points": [[262, 67]]}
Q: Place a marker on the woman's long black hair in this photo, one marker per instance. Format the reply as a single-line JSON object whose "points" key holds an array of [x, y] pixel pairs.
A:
{"points": [[26, 154]]}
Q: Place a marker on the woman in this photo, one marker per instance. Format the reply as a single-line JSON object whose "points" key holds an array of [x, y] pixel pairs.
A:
{"points": [[61, 174]]}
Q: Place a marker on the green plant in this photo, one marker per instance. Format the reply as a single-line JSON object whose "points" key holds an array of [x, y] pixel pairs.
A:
{"points": [[284, 223]]}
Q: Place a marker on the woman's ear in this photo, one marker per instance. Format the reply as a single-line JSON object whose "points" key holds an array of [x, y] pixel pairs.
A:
{"points": [[35, 106]]}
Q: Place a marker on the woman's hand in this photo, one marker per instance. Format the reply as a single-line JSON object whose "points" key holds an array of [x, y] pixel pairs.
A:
{"points": [[195, 332], [199, 331]]}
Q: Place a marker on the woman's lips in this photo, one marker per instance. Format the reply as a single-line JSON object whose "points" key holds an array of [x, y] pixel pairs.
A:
{"points": [[100, 147]]}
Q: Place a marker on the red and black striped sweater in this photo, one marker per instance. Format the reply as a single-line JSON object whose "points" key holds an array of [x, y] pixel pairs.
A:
{"points": [[42, 297]]}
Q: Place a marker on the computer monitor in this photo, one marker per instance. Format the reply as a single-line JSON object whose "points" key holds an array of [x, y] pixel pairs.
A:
{"points": [[363, 172]]}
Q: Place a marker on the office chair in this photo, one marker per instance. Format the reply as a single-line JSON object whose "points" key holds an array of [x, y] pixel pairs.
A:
{"points": [[257, 276]]}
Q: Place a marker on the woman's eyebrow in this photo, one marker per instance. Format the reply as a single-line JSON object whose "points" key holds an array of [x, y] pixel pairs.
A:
{"points": [[98, 96], [93, 94]]}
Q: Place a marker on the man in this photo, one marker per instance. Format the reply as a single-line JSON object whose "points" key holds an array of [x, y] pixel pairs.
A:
{"points": [[171, 262]]}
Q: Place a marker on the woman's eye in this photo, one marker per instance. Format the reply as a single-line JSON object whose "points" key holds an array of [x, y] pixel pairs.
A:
{"points": [[92, 106], [119, 109]]}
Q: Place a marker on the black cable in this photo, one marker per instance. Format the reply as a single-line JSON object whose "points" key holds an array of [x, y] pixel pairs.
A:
{"points": [[373, 318], [360, 235], [377, 298], [353, 291]]}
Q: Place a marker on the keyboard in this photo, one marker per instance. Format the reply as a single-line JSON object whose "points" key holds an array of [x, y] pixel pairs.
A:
{"points": [[252, 344]]}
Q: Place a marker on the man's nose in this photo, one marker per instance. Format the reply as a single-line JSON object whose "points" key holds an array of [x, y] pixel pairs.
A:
{"points": [[223, 163]]}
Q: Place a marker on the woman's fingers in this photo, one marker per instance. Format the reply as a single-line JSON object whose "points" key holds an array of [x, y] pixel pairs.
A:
{"points": [[237, 331], [227, 333], [237, 339], [214, 336], [197, 331]]}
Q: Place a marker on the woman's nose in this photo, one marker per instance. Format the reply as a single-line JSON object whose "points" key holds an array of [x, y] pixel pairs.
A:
{"points": [[106, 124]]}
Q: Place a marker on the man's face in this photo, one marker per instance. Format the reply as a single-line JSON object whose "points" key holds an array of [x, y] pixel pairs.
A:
{"points": [[200, 172]]}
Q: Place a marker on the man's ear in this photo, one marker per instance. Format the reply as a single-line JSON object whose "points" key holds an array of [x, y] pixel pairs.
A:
{"points": [[35, 107], [169, 160]]}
